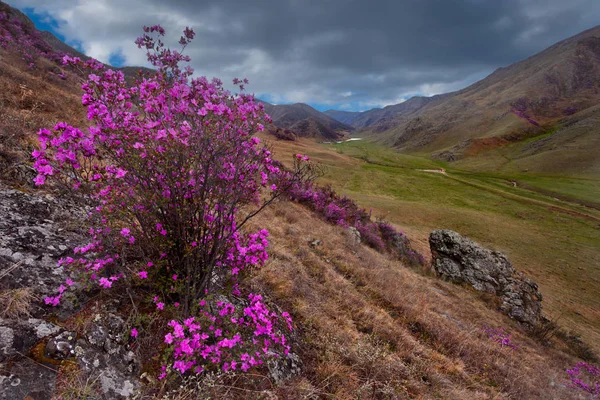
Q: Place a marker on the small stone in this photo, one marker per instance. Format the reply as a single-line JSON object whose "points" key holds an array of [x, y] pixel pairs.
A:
{"points": [[61, 346]]}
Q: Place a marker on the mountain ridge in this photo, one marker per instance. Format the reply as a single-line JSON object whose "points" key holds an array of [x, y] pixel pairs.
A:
{"points": [[306, 121], [546, 92]]}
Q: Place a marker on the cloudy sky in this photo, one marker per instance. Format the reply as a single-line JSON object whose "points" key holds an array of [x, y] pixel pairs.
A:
{"points": [[343, 54]]}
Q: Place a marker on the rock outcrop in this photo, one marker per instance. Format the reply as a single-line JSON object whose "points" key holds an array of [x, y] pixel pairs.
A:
{"points": [[35, 232], [459, 260]]}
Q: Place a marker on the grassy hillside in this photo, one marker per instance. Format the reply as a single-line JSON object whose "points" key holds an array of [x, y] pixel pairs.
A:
{"points": [[537, 115], [546, 232]]}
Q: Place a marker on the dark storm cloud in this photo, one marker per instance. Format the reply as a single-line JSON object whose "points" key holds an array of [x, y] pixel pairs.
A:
{"points": [[357, 53]]}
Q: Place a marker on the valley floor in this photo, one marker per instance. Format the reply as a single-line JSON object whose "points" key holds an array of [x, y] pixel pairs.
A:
{"points": [[548, 226]]}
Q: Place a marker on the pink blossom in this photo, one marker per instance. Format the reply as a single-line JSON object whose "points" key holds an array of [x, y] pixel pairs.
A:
{"points": [[105, 283]]}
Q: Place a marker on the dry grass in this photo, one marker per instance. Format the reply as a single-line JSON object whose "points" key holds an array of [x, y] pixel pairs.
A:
{"points": [[370, 328], [74, 384], [16, 303], [29, 101]]}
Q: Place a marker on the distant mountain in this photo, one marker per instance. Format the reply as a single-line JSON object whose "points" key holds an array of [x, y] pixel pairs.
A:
{"points": [[346, 117], [383, 116], [305, 121], [529, 110]]}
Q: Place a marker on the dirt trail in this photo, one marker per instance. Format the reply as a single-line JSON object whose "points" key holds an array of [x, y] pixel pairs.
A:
{"points": [[435, 171], [517, 197]]}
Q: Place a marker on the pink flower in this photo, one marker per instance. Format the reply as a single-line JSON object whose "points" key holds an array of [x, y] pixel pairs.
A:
{"points": [[120, 173], [105, 283], [143, 274], [134, 332], [168, 338], [125, 232], [39, 180], [160, 306], [174, 277]]}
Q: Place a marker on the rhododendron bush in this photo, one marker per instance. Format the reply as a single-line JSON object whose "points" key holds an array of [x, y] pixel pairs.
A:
{"points": [[343, 211], [173, 172]]}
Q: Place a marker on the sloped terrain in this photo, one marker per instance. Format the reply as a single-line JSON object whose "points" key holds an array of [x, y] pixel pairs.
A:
{"points": [[372, 328], [381, 119], [366, 325], [305, 121], [548, 92]]}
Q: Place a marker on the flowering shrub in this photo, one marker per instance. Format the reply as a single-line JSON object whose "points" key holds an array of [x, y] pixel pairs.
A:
{"points": [[344, 212], [370, 235], [501, 336], [231, 340], [585, 377], [168, 165]]}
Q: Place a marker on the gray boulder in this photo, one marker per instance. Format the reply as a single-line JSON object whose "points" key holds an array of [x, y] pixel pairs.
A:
{"points": [[459, 260]]}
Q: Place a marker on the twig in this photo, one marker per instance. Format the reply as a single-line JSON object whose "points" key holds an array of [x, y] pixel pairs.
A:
{"points": [[38, 363], [11, 269]]}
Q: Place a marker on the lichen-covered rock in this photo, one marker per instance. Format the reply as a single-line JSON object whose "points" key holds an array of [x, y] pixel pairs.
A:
{"points": [[35, 232], [106, 357], [283, 367], [19, 336], [27, 380], [459, 259]]}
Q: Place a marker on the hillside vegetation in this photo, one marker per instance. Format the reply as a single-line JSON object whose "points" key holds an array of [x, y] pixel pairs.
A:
{"points": [[547, 225], [359, 323]]}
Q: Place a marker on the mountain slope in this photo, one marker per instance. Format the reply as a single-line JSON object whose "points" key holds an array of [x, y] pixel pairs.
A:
{"points": [[305, 121], [552, 91], [346, 117], [381, 117]]}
